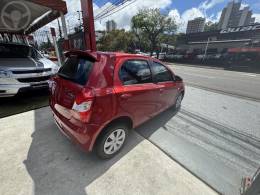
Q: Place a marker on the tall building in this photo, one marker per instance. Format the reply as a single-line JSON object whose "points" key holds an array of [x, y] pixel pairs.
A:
{"points": [[110, 25], [196, 25], [233, 16]]}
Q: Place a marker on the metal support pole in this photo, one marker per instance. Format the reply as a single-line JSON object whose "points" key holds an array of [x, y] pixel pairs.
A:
{"points": [[65, 32], [53, 34], [88, 24], [60, 33], [254, 188]]}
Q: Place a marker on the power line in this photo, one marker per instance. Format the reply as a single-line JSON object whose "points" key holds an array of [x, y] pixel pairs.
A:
{"points": [[110, 8], [107, 9], [120, 8]]}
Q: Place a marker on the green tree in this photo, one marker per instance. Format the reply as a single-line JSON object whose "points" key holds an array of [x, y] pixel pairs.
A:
{"points": [[141, 40], [151, 24], [117, 40], [168, 39]]}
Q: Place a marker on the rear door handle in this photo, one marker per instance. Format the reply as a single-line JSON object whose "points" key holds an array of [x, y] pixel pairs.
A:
{"points": [[126, 96]]}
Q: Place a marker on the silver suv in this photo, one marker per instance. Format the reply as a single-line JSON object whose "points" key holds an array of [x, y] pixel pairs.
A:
{"points": [[22, 67]]}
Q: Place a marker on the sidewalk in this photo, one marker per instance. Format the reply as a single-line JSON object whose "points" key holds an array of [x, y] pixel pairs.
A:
{"points": [[37, 159]]}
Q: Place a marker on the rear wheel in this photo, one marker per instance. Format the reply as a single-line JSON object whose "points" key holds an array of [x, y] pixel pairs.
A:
{"points": [[112, 141]]}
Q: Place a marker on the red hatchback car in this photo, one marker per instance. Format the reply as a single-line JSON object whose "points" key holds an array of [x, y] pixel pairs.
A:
{"points": [[97, 97]]}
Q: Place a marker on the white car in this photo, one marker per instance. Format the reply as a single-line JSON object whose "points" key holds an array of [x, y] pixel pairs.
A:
{"points": [[22, 67], [178, 56], [162, 56], [200, 56]]}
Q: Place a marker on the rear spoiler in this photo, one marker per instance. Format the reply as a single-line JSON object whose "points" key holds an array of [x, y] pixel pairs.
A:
{"points": [[92, 55]]}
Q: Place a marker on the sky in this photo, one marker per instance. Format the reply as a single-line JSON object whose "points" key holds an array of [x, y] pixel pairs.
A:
{"points": [[179, 10]]}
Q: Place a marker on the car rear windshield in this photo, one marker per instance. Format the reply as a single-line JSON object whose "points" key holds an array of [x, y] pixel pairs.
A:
{"points": [[14, 51], [76, 69]]}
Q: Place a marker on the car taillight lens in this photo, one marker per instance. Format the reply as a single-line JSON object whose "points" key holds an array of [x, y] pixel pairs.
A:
{"points": [[82, 112], [81, 109]]}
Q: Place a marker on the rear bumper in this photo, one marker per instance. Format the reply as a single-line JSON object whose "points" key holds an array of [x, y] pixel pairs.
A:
{"points": [[81, 135]]}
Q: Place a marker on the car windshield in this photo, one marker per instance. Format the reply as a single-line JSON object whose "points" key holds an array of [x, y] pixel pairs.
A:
{"points": [[15, 51], [76, 70]]}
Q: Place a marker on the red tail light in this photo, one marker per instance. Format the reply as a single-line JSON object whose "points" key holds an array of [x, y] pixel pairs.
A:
{"points": [[81, 109]]}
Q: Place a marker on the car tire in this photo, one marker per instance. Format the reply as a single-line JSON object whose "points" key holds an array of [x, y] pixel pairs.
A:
{"points": [[111, 141], [178, 101]]}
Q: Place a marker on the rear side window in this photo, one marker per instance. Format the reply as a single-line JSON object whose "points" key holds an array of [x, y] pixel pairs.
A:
{"points": [[135, 72], [161, 73], [76, 70]]}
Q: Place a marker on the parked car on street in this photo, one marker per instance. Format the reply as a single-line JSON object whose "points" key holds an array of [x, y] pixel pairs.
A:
{"points": [[178, 57], [169, 56], [213, 56], [162, 56], [96, 98], [200, 56], [22, 67]]}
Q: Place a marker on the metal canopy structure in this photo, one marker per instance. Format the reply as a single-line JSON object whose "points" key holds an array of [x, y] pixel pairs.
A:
{"points": [[27, 16]]}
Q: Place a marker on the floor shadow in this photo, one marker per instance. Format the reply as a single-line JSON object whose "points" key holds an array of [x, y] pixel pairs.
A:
{"points": [[150, 127], [57, 166], [23, 102]]}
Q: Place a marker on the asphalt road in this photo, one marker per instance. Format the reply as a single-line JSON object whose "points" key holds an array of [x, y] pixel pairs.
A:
{"points": [[240, 84], [215, 136]]}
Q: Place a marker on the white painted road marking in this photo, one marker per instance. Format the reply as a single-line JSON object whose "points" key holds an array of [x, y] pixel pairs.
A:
{"points": [[198, 75], [250, 75]]}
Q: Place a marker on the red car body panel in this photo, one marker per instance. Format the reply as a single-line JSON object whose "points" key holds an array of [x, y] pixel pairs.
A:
{"points": [[111, 99]]}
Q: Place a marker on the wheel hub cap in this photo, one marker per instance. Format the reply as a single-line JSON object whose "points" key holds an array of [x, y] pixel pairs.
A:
{"points": [[114, 141]]}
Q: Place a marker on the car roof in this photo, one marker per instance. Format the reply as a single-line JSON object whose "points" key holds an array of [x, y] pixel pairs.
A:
{"points": [[95, 55], [123, 55]]}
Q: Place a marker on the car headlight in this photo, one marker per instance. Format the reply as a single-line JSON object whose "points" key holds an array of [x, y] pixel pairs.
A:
{"points": [[5, 74]]}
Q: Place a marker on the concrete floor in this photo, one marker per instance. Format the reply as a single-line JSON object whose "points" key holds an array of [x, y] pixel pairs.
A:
{"points": [[37, 159]]}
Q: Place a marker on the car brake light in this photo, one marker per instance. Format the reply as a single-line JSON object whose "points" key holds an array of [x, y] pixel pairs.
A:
{"points": [[82, 107], [82, 112]]}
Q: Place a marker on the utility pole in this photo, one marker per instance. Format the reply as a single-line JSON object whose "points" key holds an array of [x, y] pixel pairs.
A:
{"points": [[79, 19], [88, 25], [206, 50], [53, 34], [68, 23], [65, 32]]}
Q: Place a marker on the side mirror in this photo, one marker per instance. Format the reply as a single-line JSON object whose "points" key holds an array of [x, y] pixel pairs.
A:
{"points": [[178, 78]]}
